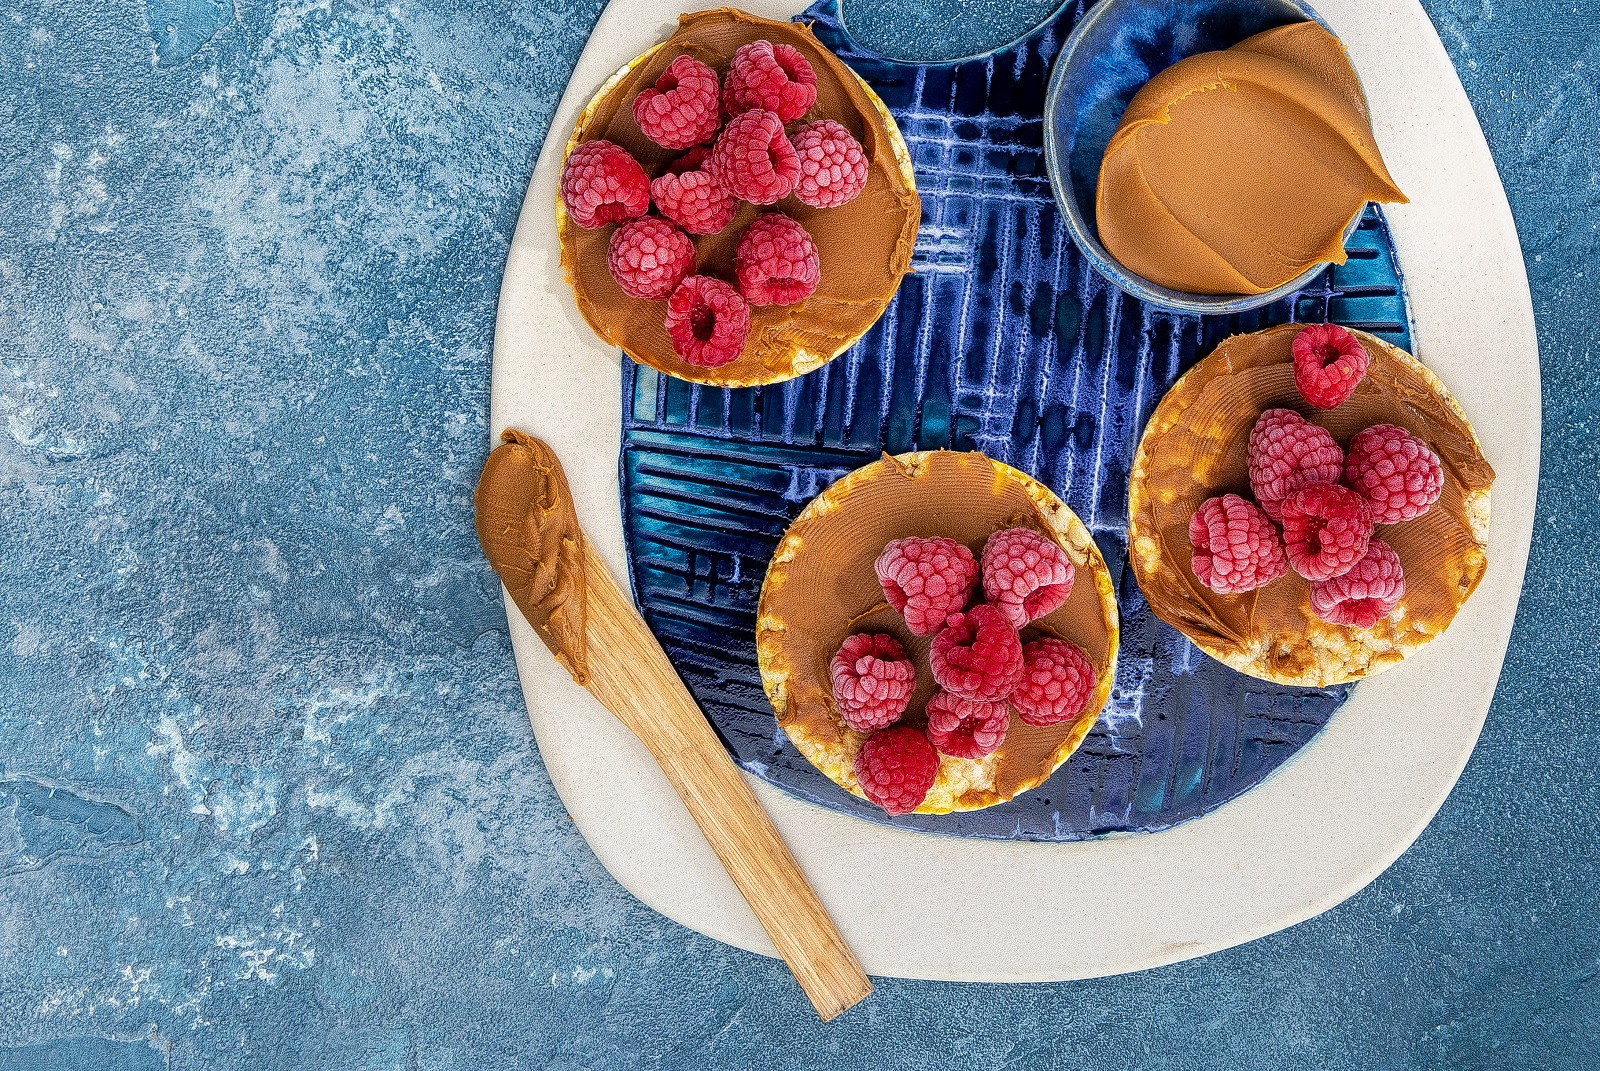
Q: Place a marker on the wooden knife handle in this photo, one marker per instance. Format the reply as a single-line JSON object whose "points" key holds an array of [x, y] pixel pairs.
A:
{"points": [[631, 675]]}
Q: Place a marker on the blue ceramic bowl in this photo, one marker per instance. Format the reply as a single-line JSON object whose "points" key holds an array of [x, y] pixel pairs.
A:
{"points": [[1116, 48]]}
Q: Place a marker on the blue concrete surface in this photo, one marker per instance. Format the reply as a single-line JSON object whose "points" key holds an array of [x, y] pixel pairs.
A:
{"points": [[267, 795]]}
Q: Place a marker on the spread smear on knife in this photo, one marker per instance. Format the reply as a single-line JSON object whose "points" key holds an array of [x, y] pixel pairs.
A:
{"points": [[530, 534]]}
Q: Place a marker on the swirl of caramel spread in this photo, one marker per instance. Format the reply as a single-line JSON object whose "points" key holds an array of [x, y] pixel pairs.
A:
{"points": [[530, 534], [1233, 172], [821, 587], [1195, 447], [864, 246]]}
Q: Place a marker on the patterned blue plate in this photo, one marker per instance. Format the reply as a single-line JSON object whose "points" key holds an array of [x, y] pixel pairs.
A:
{"points": [[1004, 340]]}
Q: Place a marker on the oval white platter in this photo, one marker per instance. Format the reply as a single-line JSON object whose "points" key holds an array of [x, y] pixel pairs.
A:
{"points": [[1324, 825]]}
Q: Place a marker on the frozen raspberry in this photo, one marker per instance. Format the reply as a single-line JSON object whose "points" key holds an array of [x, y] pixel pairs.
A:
{"points": [[649, 257], [776, 261], [1286, 452], [682, 108], [1365, 595], [1325, 530], [602, 183], [833, 166], [965, 728], [926, 580], [707, 321], [978, 655], [872, 681], [691, 197], [1057, 680], [1328, 363], [1394, 471], [753, 160], [1025, 575], [896, 767], [1236, 545], [774, 78]]}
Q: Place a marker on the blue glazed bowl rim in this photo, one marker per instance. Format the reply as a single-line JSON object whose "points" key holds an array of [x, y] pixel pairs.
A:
{"points": [[1088, 243], [843, 27]]}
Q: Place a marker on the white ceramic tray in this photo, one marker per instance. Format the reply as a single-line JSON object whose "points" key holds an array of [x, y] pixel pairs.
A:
{"points": [[1314, 833]]}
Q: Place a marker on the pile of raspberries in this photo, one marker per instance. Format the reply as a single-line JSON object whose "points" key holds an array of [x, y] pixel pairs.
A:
{"points": [[982, 668], [1316, 505], [739, 145]]}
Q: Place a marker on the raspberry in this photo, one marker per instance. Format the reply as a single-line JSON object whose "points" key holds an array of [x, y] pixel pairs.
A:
{"points": [[707, 321], [1394, 471], [1286, 452], [1236, 545], [1057, 680], [776, 261], [872, 681], [1365, 595], [1025, 575], [1328, 363], [978, 655], [649, 257], [833, 166], [926, 580], [1325, 530], [964, 728], [602, 183], [774, 78], [691, 196], [896, 767], [682, 108], [753, 160]]}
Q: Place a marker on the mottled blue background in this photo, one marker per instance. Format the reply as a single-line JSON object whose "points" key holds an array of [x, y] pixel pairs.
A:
{"points": [[268, 798]]}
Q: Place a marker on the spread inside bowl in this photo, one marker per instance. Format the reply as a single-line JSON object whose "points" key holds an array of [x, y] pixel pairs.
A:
{"points": [[1233, 172]]}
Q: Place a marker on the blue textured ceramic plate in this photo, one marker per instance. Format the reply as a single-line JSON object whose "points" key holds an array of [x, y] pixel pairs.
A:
{"points": [[1003, 339], [1112, 52]]}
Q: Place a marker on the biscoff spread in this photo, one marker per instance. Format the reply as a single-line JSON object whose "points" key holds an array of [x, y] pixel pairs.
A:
{"points": [[1233, 172]]}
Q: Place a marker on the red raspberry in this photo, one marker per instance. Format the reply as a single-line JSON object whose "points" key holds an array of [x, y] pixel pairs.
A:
{"points": [[965, 728], [1025, 575], [1057, 680], [707, 321], [896, 767], [774, 78], [978, 655], [1325, 530], [776, 261], [691, 197], [926, 580], [1328, 363], [682, 108], [1365, 595], [872, 681], [753, 160], [602, 183], [1286, 452], [1394, 471], [833, 166], [1236, 545], [649, 257]]}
